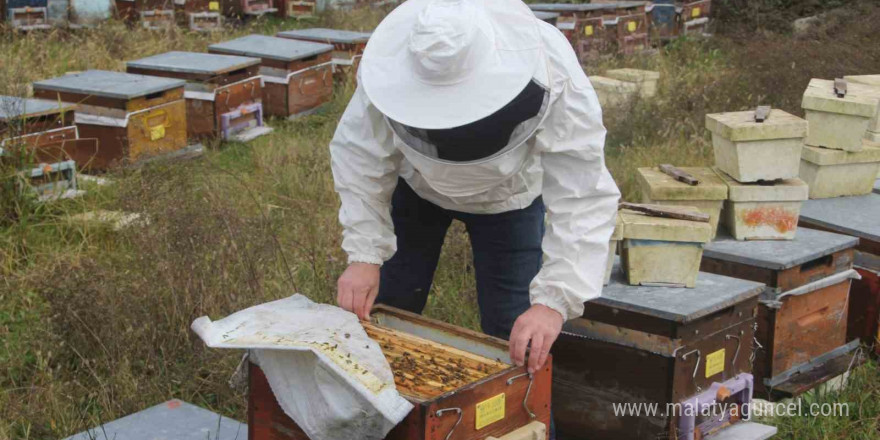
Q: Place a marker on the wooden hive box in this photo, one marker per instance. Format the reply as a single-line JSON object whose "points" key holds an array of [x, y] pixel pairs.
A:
{"points": [[27, 14], [200, 15], [297, 8], [133, 117], [582, 23], [652, 345], [348, 45], [663, 20], [630, 27], [297, 75], [473, 369], [248, 8], [855, 216], [802, 321], [45, 129], [223, 92], [694, 17]]}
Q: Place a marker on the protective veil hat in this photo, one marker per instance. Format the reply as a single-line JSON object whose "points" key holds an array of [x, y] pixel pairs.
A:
{"points": [[437, 64]]}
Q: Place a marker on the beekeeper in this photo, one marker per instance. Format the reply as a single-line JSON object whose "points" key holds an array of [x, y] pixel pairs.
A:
{"points": [[477, 111]]}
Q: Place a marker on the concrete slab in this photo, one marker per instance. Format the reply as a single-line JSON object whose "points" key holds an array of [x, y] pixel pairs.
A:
{"points": [[194, 62], [262, 46], [808, 245], [656, 185], [856, 216], [640, 226], [860, 100], [711, 293], [745, 431], [171, 420], [12, 107], [118, 85], [871, 80], [326, 35]]}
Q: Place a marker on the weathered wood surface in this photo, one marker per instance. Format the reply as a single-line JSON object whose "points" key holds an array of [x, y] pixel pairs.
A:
{"points": [[678, 174], [666, 212]]}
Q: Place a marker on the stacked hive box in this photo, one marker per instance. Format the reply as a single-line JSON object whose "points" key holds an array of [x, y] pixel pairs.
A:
{"points": [[248, 8], [200, 15], [856, 216], [223, 92], [873, 133], [27, 14], [694, 17], [133, 116], [802, 323], [663, 346], [348, 45], [449, 374], [757, 154], [708, 195], [662, 251], [40, 139], [839, 160], [297, 75], [582, 24]]}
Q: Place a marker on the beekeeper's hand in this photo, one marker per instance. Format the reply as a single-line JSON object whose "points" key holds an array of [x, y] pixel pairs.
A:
{"points": [[357, 289], [539, 324]]}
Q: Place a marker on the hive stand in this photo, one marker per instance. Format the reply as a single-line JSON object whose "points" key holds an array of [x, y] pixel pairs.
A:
{"points": [[855, 216], [297, 75], [802, 324], [134, 117], [651, 345], [171, 420], [223, 92], [402, 334]]}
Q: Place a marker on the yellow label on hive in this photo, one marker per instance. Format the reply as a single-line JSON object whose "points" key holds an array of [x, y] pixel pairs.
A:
{"points": [[214, 6], [157, 132], [588, 30], [715, 363], [695, 12], [631, 26], [490, 411]]}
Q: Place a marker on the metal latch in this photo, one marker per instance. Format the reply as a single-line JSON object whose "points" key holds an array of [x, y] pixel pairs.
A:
{"points": [[762, 113], [840, 87]]}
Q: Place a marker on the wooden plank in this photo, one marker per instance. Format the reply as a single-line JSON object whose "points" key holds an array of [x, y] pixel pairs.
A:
{"points": [[678, 174], [666, 211]]}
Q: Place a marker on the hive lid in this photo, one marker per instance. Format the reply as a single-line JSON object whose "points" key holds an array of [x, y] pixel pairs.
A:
{"points": [[638, 226], [661, 186], [786, 190], [860, 100], [613, 85], [826, 156], [856, 216], [741, 126], [633, 75], [262, 46], [194, 62], [807, 245], [326, 35], [117, 85], [12, 107], [870, 80], [711, 294]]}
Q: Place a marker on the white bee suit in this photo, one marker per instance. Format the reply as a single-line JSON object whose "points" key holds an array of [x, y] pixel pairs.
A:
{"points": [[558, 154]]}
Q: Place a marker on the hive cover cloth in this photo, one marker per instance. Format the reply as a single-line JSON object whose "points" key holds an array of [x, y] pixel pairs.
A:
{"points": [[326, 373]]}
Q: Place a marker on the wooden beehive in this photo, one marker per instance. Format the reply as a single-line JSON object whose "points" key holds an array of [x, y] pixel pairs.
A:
{"points": [[199, 15], [855, 216], [448, 373], [297, 75], [134, 117], [44, 130], [223, 92], [802, 315], [28, 14], [248, 8], [348, 45], [651, 345], [297, 8], [582, 23], [694, 17]]}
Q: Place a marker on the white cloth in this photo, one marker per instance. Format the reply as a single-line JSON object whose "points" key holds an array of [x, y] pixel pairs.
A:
{"points": [[563, 161], [326, 373]]}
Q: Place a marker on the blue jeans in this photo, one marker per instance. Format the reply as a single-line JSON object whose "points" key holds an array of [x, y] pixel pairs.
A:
{"points": [[507, 255]]}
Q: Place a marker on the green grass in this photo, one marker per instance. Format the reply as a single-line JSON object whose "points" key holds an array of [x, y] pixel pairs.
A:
{"points": [[94, 324]]}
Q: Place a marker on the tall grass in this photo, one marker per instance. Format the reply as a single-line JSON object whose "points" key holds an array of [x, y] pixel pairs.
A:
{"points": [[94, 323]]}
